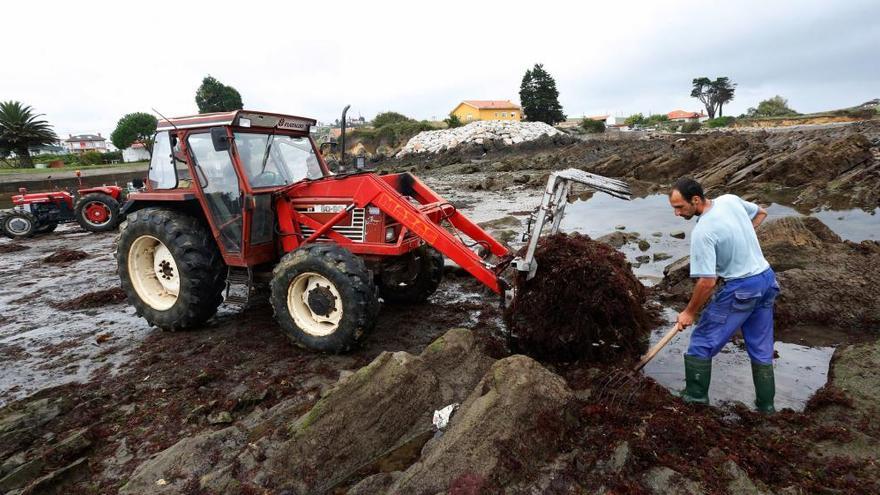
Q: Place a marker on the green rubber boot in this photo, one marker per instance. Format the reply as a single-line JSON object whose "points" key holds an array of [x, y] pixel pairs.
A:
{"points": [[765, 387], [697, 374]]}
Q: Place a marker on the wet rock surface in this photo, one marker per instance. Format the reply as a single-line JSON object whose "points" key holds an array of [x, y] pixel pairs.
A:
{"points": [[94, 400], [834, 167]]}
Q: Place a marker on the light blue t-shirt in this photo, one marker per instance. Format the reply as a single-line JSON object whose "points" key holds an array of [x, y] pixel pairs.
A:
{"points": [[724, 243]]}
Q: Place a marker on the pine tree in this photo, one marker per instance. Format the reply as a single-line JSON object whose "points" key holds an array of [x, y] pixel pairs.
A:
{"points": [[539, 96], [214, 96]]}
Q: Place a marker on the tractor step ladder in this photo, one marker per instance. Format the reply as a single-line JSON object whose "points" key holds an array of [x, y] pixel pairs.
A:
{"points": [[235, 279], [553, 207]]}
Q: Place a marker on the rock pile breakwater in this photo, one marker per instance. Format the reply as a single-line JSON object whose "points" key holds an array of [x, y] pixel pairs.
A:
{"points": [[481, 132]]}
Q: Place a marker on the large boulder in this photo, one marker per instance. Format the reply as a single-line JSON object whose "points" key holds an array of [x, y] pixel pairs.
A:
{"points": [[193, 457], [515, 417], [372, 431], [380, 407], [376, 410]]}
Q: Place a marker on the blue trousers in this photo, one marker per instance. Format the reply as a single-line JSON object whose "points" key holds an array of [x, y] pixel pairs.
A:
{"points": [[746, 304]]}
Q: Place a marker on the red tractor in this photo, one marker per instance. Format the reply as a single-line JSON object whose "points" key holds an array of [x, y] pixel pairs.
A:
{"points": [[243, 197], [96, 209]]}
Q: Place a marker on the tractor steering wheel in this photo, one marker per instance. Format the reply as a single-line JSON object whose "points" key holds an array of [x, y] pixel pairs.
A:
{"points": [[266, 179]]}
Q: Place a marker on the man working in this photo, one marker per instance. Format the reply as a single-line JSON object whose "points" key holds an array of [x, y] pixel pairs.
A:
{"points": [[724, 245]]}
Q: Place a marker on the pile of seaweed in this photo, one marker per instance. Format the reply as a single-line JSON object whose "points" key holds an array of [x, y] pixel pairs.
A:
{"points": [[12, 247], [94, 299], [583, 303], [65, 255]]}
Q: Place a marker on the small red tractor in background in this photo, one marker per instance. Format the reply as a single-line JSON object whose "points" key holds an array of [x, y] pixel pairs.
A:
{"points": [[243, 197], [96, 209]]}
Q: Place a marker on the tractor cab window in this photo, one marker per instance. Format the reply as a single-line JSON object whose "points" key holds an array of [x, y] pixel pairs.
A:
{"points": [[162, 171], [272, 160], [220, 185]]}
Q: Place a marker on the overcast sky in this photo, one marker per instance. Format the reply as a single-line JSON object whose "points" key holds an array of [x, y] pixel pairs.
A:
{"points": [[85, 64]]}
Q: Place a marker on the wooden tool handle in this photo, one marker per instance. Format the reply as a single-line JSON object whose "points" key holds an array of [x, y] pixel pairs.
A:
{"points": [[659, 345]]}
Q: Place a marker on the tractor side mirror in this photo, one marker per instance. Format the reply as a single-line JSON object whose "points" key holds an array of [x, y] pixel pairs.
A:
{"points": [[219, 138]]}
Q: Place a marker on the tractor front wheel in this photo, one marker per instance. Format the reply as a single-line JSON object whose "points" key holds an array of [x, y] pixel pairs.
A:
{"points": [[170, 268], [324, 297], [97, 212], [412, 277], [18, 224]]}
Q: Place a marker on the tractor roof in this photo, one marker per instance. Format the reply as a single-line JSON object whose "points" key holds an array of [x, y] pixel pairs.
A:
{"points": [[241, 118]]}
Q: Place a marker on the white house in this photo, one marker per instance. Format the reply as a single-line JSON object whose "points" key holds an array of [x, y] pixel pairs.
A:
{"points": [[682, 116], [137, 152], [86, 142], [610, 120]]}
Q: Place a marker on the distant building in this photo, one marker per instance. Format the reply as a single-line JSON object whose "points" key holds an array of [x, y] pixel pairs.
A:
{"points": [[682, 116], [86, 142], [137, 152], [610, 120], [471, 110], [48, 149]]}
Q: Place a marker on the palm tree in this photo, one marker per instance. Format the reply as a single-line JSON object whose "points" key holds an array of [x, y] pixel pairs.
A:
{"points": [[21, 129]]}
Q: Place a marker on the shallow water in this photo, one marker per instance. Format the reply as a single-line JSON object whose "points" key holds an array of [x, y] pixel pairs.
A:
{"points": [[802, 366], [601, 214], [800, 369]]}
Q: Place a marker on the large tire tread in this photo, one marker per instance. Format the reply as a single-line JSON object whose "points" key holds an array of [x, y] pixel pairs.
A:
{"points": [[202, 270], [360, 290], [7, 214], [426, 283], [111, 204]]}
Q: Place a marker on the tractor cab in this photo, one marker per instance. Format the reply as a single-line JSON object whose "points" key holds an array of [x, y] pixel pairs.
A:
{"points": [[229, 165]]}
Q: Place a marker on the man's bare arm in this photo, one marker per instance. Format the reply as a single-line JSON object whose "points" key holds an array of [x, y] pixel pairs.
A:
{"points": [[702, 292], [759, 217]]}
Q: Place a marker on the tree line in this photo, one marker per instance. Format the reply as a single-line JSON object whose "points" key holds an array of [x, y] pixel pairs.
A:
{"points": [[21, 128]]}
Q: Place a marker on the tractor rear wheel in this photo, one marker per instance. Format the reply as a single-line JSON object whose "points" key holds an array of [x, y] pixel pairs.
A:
{"points": [[324, 297], [413, 277], [170, 268], [18, 224], [97, 212]]}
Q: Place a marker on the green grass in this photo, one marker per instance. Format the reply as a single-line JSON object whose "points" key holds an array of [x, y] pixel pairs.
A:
{"points": [[69, 168]]}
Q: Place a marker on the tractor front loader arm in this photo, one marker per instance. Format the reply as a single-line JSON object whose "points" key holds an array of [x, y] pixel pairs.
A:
{"points": [[553, 207], [413, 204]]}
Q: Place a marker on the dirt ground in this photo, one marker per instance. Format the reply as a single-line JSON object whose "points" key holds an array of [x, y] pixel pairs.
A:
{"points": [[93, 400]]}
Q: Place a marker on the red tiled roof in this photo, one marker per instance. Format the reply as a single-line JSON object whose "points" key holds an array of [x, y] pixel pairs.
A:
{"points": [[681, 114], [500, 104]]}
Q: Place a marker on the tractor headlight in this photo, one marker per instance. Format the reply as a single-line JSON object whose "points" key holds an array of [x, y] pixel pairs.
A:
{"points": [[390, 234]]}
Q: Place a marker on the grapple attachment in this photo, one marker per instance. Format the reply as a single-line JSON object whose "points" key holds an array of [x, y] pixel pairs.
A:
{"points": [[553, 206]]}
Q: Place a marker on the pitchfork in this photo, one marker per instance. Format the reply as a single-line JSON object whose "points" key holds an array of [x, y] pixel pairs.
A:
{"points": [[622, 386]]}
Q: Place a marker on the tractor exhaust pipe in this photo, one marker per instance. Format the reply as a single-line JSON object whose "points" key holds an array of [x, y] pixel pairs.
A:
{"points": [[342, 137]]}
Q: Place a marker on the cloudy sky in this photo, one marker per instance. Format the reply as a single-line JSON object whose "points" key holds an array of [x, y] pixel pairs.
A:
{"points": [[85, 64]]}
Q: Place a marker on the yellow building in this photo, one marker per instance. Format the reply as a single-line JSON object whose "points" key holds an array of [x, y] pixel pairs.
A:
{"points": [[471, 110]]}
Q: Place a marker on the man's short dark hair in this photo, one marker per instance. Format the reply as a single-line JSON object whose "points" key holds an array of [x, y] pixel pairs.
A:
{"points": [[688, 188]]}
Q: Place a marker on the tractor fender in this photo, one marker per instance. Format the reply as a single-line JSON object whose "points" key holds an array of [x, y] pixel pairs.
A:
{"points": [[189, 205], [112, 191]]}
